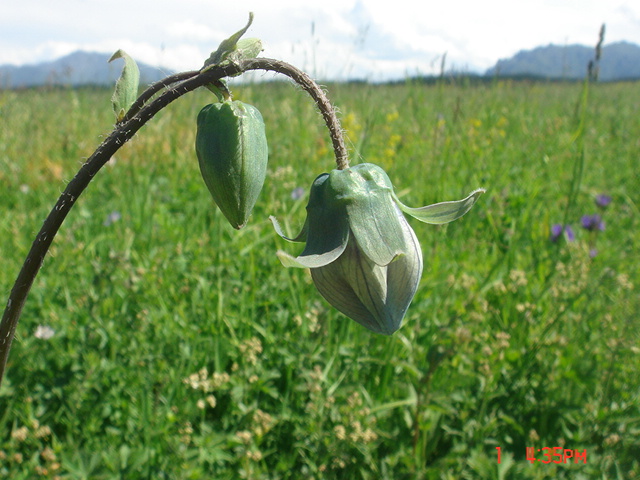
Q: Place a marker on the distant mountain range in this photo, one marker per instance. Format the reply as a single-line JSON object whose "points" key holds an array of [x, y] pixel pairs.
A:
{"points": [[619, 61], [75, 69]]}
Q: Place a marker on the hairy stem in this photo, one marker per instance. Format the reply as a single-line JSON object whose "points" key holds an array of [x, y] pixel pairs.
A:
{"points": [[139, 114], [155, 88], [312, 88]]}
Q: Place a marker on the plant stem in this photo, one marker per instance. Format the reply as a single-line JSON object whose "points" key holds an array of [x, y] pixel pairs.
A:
{"points": [[139, 114], [155, 88], [312, 88]]}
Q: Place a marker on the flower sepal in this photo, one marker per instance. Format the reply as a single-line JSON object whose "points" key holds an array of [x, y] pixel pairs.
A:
{"points": [[443, 212]]}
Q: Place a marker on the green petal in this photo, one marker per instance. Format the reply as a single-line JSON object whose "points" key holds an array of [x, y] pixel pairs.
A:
{"points": [[377, 224], [309, 260], [403, 279], [301, 237], [443, 212], [338, 281], [377, 297], [366, 194], [326, 240], [318, 255], [321, 248], [326, 231]]}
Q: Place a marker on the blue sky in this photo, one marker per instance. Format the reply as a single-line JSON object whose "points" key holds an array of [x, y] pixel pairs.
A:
{"points": [[333, 39]]}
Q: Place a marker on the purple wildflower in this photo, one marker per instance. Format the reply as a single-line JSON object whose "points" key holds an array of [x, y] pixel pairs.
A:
{"points": [[556, 231], [603, 200], [568, 231], [592, 222]]}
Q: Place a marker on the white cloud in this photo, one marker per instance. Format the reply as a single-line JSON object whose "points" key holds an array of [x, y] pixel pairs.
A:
{"points": [[362, 38], [186, 30]]}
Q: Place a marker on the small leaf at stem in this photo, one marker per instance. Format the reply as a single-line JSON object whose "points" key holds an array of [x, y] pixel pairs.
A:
{"points": [[246, 49], [227, 46], [126, 90], [220, 89]]}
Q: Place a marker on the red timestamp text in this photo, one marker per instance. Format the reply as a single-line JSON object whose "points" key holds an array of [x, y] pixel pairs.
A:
{"points": [[552, 455]]}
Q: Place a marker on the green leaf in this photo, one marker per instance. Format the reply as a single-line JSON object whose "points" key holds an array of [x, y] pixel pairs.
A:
{"points": [[443, 212], [230, 45], [505, 465], [126, 90], [220, 90], [245, 49]]}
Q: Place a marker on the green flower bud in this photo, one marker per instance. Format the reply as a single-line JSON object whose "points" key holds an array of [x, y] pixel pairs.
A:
{"points": [[365, 259], [231, 145]]}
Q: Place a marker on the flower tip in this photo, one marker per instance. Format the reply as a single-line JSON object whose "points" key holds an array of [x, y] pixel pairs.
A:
{"points": [[603, 200], [388, 330], [443, 212], [592, 222], [287, 260], [275, 223], [277, 227]]}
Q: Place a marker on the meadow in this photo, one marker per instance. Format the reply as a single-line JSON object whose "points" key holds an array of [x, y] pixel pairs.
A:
{"points": [[160, 343]]}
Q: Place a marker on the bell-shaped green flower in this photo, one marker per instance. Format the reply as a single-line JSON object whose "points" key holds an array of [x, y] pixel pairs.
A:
{"points": [[365, 259]]}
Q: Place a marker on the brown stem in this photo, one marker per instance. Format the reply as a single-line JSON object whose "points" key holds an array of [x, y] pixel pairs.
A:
{"points": [[140, 113], [155, 88], [312, 88]]}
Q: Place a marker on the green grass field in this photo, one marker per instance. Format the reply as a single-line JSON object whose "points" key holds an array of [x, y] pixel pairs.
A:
{"points": [[159, 343]]}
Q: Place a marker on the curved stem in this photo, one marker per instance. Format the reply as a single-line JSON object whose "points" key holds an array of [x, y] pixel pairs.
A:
{"points": [[137, 116], [312, 88], [155, 88], [76, 186], [297, 75]]}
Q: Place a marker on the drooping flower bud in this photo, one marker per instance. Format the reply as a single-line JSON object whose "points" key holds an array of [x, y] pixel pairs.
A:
{"points": [[231, 145], [365, 259]]}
